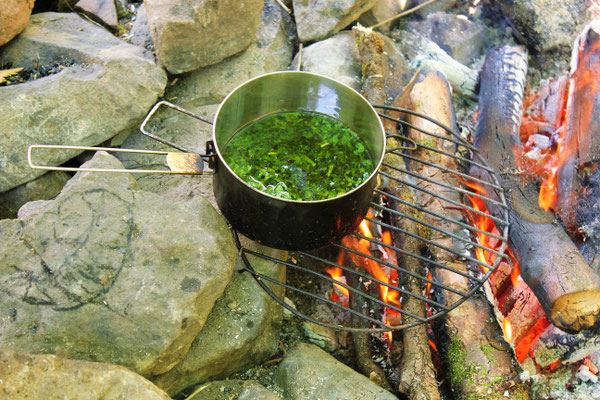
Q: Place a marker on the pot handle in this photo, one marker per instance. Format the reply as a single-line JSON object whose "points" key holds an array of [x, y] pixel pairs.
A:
{"points": [[174, 107], [183, 162]]}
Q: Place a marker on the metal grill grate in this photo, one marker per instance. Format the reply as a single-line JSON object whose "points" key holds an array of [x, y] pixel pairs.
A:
{"points": [[310, 266]]}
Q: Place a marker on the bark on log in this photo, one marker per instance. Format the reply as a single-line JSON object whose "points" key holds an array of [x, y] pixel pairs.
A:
{"points": [[417, 373], [567, 288], [470, 329]]}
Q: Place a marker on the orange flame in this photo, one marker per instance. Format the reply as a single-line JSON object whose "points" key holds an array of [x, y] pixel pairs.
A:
{"points": [[337, 274]]}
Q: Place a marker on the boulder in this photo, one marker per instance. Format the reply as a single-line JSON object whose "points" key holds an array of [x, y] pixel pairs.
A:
{"points": [[232, 389], [140, 31], [107, 272], [27, 376], [381, 11], [307, 372], [191, 35], [271, 50], [14, 15], [336, 57], [242, 330], [546, 24], [318, 19], [102, 11], [43, 188], [460, 37], [108, 87]]}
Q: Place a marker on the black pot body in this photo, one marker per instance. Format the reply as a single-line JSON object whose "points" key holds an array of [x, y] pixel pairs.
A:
{"points": [[287, 224]]}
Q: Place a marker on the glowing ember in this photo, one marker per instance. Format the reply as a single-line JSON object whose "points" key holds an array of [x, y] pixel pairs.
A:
{"points": [[508, 330]]}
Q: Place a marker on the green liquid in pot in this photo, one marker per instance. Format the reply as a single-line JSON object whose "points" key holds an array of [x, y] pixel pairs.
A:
{"points": [[299, 156]]}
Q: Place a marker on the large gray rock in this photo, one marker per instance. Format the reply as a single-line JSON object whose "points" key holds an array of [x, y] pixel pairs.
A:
{"points": [[461, 38], [107, 272], [233, 389], [546, 24], [307, 372], [43, 188], [336, 57], [14, 15], [318, 19], [193, 34], [27, 376], [109, 89], [242, 330], [271, 50]]}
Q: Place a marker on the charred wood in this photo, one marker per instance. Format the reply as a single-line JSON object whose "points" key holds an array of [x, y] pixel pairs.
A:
{"points": [[580, 146], [417, 373], [470, 328], [363, 356], [565, 285]]}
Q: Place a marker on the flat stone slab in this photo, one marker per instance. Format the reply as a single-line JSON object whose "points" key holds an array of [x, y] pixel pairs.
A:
{"points": [[106, 87], [108, 272], [26, 376]]}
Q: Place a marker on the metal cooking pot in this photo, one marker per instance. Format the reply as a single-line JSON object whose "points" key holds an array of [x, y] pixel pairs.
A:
{"points": [[272, 221]]}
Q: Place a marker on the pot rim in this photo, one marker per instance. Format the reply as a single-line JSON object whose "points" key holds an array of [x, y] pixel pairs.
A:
{"points": [[360, 97]]}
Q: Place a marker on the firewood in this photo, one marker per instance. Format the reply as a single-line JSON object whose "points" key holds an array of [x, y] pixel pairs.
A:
{"points": [[475, 359], [580, 147], [360, 340], [417, 374], [565, 285]]}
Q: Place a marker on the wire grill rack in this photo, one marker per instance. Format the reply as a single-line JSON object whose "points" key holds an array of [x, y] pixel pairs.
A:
{"points": [[316, 286]]}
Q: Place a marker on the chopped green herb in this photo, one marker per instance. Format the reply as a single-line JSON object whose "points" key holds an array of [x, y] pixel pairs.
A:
{"points": [[299, 156]]}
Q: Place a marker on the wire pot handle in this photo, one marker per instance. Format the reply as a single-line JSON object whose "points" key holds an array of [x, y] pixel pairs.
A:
{"points": [[183, 162], [178, 162]]}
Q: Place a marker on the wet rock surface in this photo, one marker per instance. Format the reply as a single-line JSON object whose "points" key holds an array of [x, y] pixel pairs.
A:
{"points": [[26, 376], [191, 35], [308, 372], [107, 89], [91, 274], [242, 330], [14, 15]]}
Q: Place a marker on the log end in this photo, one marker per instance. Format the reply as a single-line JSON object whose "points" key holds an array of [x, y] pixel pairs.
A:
{"points": [[578, 311]]}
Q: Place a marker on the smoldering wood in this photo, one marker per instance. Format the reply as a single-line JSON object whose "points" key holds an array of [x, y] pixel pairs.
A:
{"points": [[588, 219], [565, 285], [581, 141], [470, 326], [555, 344], [363, 356]]}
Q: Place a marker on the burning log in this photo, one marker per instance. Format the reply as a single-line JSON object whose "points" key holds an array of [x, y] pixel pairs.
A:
{"points": [[565, 285], [417, 374], [362, 350], [467, 351], [580, 144]]}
